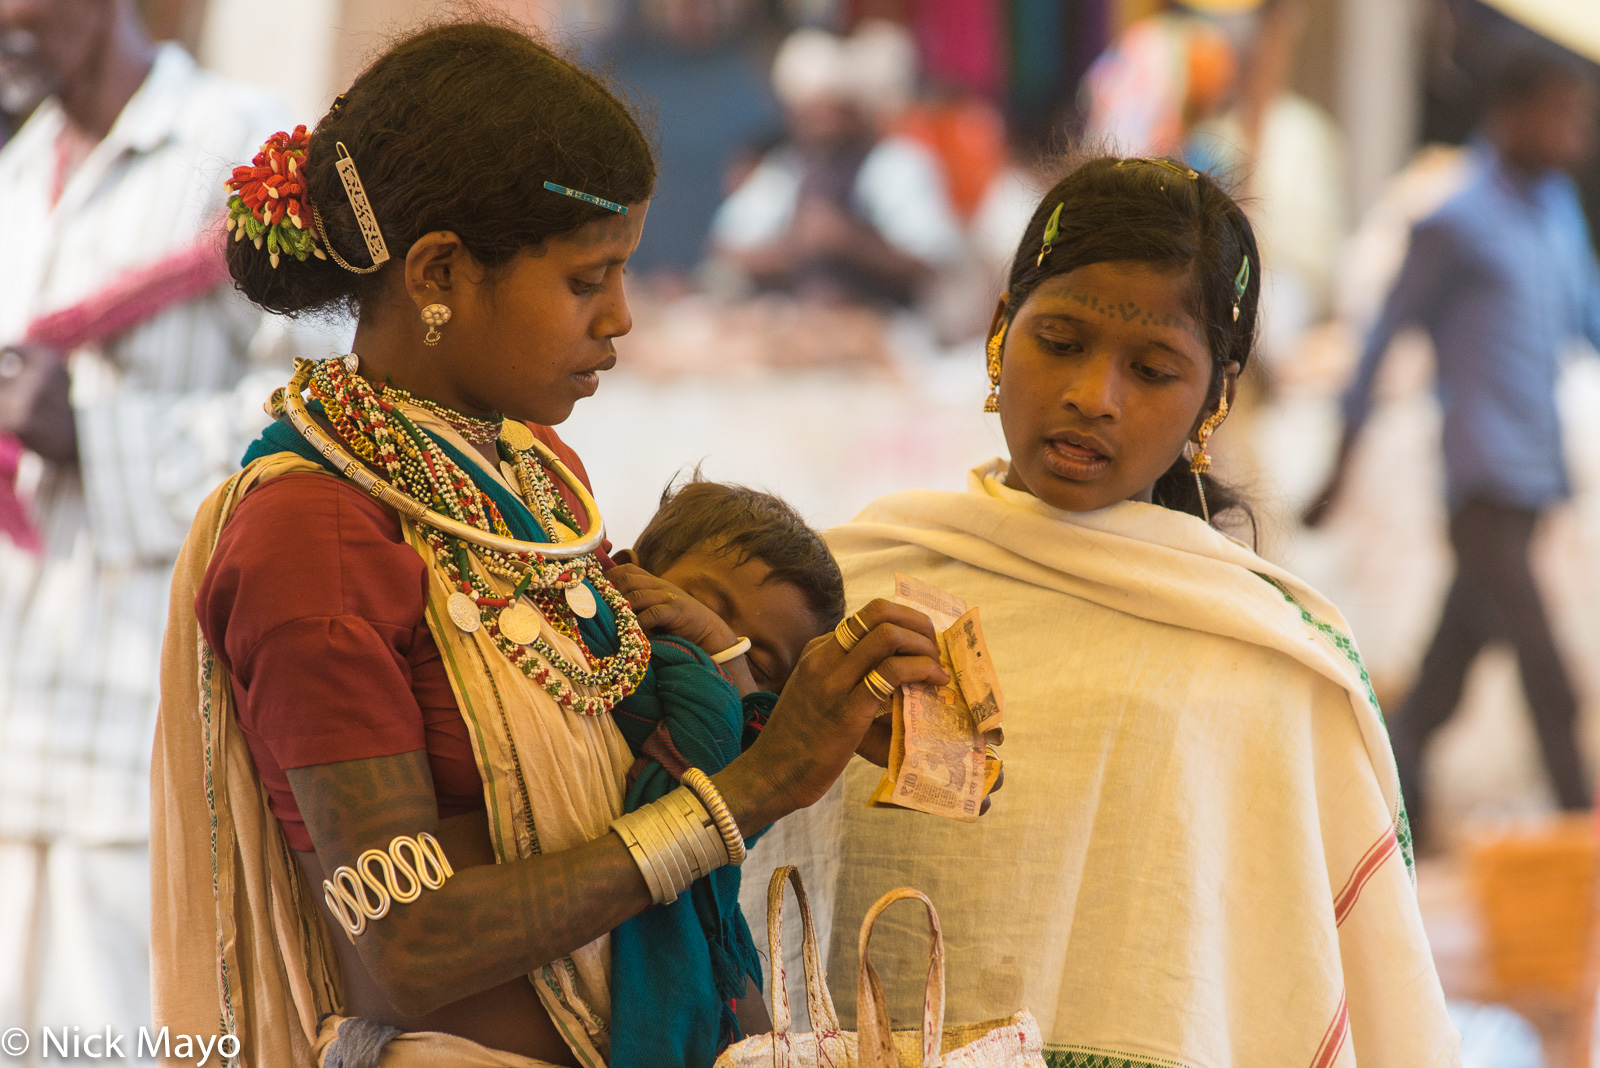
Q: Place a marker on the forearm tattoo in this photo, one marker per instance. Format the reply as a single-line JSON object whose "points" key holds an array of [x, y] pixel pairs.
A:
{"points": [[489, 923]]}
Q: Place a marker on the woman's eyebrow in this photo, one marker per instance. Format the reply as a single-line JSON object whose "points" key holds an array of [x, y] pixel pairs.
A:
{"points": [[1128, 311]]}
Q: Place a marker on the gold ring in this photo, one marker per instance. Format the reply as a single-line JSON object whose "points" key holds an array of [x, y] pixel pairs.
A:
{"points": [[845, 634], [878, 686]]}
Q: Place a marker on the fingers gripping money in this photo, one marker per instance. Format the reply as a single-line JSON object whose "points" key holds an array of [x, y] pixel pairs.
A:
{"points": [[941, 754]]}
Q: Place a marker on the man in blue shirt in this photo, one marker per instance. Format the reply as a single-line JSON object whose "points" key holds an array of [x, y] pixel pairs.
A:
{"points": [[1503, 278]]}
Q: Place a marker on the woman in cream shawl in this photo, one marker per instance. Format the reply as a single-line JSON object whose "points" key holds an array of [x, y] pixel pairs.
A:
{"points": [[1201, 857]]}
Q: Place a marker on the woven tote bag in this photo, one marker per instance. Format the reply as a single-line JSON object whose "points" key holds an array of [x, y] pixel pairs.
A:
{"points": [[1009, 1042]]}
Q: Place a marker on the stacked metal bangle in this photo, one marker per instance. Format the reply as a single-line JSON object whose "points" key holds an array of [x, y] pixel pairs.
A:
{"points": [[683, 837], [674, 841]]}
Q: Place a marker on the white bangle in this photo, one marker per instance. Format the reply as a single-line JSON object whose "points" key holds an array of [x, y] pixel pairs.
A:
{"points": [[732, 652]]}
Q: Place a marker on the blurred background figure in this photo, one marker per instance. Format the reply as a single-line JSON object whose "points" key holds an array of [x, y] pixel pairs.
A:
{"points": [[1209, 81], [121, 350], [1503, 278], [840, 211], [693, 59]]}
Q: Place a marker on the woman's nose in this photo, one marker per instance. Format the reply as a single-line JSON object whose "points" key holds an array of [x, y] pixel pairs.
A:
{"points": [[615, 318], [1094, 390]]}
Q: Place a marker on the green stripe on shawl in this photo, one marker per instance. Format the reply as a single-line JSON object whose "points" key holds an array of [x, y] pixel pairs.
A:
{"points": [[1089, 1057]]}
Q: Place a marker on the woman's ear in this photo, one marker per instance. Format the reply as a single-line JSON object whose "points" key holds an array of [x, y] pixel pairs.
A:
{"points": [[1230, 382], [1001, 306], [437, 267]]}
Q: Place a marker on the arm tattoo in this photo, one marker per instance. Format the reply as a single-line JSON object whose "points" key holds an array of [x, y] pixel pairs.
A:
{"points": [[489, 923]]}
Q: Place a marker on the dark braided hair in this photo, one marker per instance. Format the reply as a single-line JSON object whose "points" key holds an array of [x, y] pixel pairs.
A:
{"points": [[1148, 211], [457, 128]]}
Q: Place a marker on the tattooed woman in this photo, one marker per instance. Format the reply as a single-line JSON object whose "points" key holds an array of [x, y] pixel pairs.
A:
{"points": [[1202, 858], [401, 701]]}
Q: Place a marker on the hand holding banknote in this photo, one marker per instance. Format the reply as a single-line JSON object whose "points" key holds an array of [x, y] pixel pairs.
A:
{"points": [[942, 758]]}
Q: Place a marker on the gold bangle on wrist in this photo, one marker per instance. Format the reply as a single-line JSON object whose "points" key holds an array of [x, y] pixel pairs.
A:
{"points": [[711, 798], [636, 849], [675, 841]]}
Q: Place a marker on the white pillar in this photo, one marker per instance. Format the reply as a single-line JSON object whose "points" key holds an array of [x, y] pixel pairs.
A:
{"points": [[287, 46], [1379, 90]]}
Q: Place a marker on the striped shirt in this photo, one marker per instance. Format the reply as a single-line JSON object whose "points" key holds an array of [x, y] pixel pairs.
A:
{"points": [[163, 412]]}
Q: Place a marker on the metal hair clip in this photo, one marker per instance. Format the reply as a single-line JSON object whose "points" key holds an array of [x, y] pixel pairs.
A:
{"points": [[1165, 164], [589, 198], [1052, 230], [1240, 282], [366, 219]]}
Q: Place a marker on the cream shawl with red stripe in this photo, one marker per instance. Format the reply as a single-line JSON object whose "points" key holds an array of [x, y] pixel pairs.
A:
{"points": [[1199, 857]]}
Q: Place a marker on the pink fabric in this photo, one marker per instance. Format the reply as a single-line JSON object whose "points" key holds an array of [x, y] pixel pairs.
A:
{"points": [[130, 299], [963, 42]]}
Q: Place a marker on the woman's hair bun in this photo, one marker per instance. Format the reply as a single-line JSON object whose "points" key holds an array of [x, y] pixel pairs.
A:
{"points": [[456, 127]]}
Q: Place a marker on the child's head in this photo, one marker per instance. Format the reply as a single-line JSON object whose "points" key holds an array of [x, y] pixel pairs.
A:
{"points": [[1125, 335], [751, 559]]}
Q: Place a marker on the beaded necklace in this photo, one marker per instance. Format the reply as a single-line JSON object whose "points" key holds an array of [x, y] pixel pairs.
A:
{"points": [[470, 427], [376, 428]]}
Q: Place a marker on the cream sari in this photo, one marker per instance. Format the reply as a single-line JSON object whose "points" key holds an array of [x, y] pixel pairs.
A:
{"points": [[238, 945], [1199, 858]]}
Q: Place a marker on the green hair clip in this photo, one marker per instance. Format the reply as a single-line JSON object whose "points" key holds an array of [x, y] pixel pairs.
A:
{"points": [[1052, 230], [1240, 282], [588, 198]]}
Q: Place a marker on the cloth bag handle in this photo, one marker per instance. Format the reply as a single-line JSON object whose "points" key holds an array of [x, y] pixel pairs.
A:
{"points": [[819, 1002], [876, 1040]]}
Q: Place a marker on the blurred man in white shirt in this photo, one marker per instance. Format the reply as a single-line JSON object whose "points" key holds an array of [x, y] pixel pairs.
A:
{"points": [[838, 212], [124, 359]]}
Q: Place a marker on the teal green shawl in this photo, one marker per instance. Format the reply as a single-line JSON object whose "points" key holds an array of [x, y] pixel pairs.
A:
{"points": [[675, 969]]}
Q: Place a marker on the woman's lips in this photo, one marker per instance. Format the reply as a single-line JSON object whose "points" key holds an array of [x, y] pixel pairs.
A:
{"points": [[588, 382], [1070, 460]]}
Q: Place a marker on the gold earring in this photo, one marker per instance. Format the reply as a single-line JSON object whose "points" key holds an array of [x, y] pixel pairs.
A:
{"points": [[993, 352], [1201, 463], [435, 315]]}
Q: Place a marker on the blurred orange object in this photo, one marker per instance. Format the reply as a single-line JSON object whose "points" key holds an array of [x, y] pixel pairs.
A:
{"points": [[1535, 887], [969, 138]]}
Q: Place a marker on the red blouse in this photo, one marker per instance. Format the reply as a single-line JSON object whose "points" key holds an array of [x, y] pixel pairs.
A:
{"points": [[315, 605]]}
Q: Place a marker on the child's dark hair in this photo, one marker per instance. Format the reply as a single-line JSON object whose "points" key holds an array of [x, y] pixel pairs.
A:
{"points": [[755, 525], [457, 128], [1152, 211]]}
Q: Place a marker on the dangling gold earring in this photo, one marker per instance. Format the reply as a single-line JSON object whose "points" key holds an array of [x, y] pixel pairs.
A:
{"points": [[435, 315], [1201, 462], [995, 344]]}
